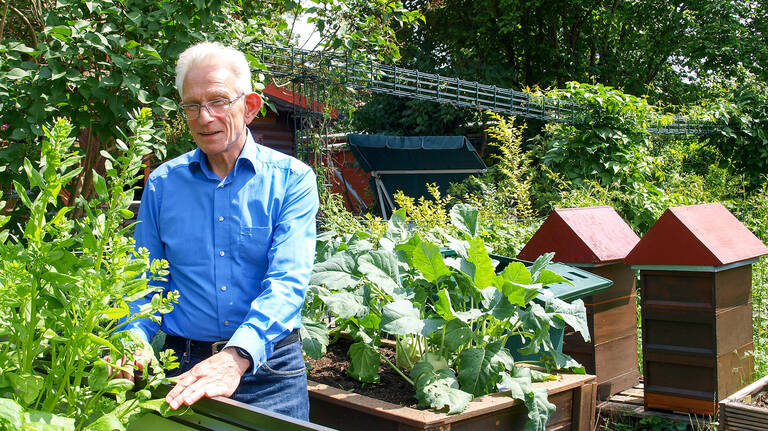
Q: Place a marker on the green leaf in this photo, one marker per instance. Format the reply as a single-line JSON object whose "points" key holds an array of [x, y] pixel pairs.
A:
{"points": [[28, 386], [457, 334], [443, 305], [100, 185], [35, 179], [428, 260], [108, 422], [574, 314], [314, 337], [548, 277], [51, 421], [484, 273], [516, 272], [401, 317], [539, 264], [397, 230], [10, 413], [114, 313], [98, 377], [517, 382], [519, 295], [364, 363], [344, 304], [539, 410], [439, 390], [380, 267], [465, 218], [337, 272], [16, 74], [480, 367], [115, 386], [166, 103]]}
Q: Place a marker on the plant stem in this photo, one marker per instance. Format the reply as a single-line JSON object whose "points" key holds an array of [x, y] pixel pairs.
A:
{"points": [[398, 371]]}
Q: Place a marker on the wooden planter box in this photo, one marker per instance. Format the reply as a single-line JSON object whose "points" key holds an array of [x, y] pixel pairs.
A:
{"points": [[574, 396], [737, 416]]}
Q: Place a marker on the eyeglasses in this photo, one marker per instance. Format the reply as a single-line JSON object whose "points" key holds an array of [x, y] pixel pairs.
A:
{"points": [[191, 111]]}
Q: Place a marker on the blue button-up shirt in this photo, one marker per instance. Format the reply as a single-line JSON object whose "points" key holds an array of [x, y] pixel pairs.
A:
{"points": [[240, 249]]}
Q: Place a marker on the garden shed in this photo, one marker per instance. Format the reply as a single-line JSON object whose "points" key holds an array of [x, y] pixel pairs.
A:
{"points": [[409, 163]]}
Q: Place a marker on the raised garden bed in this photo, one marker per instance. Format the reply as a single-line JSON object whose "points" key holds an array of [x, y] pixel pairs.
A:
{"points": [[746, 409], [345, 404], [573, 395]]}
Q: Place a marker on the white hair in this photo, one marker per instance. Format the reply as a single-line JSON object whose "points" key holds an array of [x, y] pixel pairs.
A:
{"points": [[207, 51]]}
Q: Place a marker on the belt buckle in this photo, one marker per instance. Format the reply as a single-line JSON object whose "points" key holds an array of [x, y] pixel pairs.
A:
{"points": [[215, 346]]}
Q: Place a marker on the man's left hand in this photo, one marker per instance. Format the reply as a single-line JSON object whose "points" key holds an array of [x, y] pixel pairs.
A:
{"points": [[218, 375]]}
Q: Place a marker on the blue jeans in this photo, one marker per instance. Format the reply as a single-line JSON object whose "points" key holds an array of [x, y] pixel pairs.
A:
{"points": [[279, 385]]}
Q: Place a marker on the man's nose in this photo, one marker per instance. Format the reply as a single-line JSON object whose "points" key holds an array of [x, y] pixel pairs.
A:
{"points": [[204, 110]]}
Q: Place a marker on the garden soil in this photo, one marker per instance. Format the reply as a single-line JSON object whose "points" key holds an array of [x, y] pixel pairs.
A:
{"points": [[331, 370]]}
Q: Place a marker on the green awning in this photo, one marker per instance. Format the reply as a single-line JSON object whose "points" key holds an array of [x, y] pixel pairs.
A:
{"points": [[409, 163]]}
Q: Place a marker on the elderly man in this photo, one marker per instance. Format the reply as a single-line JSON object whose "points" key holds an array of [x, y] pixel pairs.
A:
{"points": [[236, 222]]}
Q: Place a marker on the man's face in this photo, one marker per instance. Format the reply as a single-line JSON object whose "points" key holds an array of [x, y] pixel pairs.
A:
{"points": [[217, 134]]}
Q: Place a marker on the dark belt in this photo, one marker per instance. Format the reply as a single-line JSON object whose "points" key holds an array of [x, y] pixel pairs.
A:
{"points": [[210, 348]]}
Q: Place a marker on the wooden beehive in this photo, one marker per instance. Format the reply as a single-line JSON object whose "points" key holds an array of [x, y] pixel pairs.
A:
{"points": [[597, 239], [696, 282]]}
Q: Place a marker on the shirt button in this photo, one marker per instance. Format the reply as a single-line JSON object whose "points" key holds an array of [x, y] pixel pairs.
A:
{"points": [[223, 288], [226, 323], [221, 218], [221, 253]]}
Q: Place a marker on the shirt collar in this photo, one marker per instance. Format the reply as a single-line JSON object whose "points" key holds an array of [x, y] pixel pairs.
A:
{"points": [[248, 157]]}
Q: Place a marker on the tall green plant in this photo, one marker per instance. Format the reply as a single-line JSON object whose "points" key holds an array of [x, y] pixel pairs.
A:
{"points": [[66, 285], [450, 317]]}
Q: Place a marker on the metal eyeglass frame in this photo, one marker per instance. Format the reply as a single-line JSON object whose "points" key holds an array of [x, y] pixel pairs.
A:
{"points": [[183, 107]]}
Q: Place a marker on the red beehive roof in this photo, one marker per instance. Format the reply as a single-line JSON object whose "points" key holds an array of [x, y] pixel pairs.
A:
{"points": [[582, 235], [696, 235]]}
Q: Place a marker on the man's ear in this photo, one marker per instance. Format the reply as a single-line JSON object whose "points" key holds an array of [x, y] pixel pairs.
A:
{"points": [[252, 106]]}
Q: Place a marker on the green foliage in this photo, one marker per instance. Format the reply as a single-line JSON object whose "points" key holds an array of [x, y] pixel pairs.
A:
{"points": [[66, 285], [743, 136], [609, 146], [450, 317]]}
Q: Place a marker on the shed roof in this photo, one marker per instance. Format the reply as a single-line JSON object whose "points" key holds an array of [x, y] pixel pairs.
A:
{"points": [[582, 235], [706, 234]]}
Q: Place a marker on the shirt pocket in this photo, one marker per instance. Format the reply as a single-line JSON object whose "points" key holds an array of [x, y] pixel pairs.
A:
{"points": [[253, 246]]}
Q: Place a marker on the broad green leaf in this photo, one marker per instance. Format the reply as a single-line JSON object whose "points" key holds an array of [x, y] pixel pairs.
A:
{"points": [[401, 317], [484, 273], [98, 376], [108, 422], [428, 260], [465, 218], [45, 421], [166, 103], [16, 74], [457, 333], [100, 185], [517, 382], [381, 268], [28, 386], [536, 322], [539, 264], [118, 385], [442, 393], [539, 410], [160, 406], [10, 413], [480, 367], [518, 294], [115, 313], [443, 305], [314, 337], [431, 325], [516, 272], [337, 273], [574, 314], [364, 363], [344, 304], [397, 230], [547, 277], [565, 362], [35, 179], [541, 376]]}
